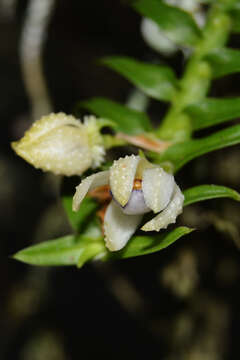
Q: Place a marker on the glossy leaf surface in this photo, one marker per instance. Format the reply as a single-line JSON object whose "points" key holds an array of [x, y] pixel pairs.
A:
{"points": [[210, 112], [155, 81], [207, 192], [177, 24], [181, 153], [68, 250], [224, 61], [143, 245]]}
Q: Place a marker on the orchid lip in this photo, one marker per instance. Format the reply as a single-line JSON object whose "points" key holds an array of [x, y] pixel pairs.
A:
{"points": [[136, 204]]}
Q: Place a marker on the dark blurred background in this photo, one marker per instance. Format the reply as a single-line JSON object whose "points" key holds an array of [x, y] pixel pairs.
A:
{"points": [[179, 304]]}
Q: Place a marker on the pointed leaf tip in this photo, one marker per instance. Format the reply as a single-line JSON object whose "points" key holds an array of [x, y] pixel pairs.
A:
{"points": [[156, 81], [68, 250], [207, 192]]}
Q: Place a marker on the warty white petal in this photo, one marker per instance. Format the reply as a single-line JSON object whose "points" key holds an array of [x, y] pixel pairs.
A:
{"points": [[48, 123], [119, 227], [89, 183], [63, 151], [122, 174], [168, 215], [157, 186]]}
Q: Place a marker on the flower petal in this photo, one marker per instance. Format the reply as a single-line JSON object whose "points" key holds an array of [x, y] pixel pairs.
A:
{"points": [[122, 175], [48, 123], [119, 227], [157, 186], [89, 183], [167, 216]]}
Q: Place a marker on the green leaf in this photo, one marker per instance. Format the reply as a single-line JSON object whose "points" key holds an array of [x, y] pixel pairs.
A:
{"points": [[127, 120], [233, 8], [210, 112], [156, 81], [224, 61], [68, 250], [206, 192], [235, 17], [143, 245], [227, 5], [79, 219], [177, 24], [181, 153]]}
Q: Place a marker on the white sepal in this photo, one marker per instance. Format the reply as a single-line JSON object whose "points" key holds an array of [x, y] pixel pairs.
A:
{"points": [[157, 186], [119, 227], [167, 216], [48, 123], [122, 174], [89, 183]]}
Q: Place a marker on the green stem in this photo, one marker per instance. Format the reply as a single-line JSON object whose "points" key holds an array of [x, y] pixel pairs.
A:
{"points": [[194, 85], [111, 141]]}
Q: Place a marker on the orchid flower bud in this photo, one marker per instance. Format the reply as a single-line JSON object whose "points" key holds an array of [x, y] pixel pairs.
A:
{"points": [[137, 187], [62, 144]]}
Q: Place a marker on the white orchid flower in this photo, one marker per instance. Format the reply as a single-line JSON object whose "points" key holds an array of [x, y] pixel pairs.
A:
{"points": [[137, 187], [61, 144]]}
